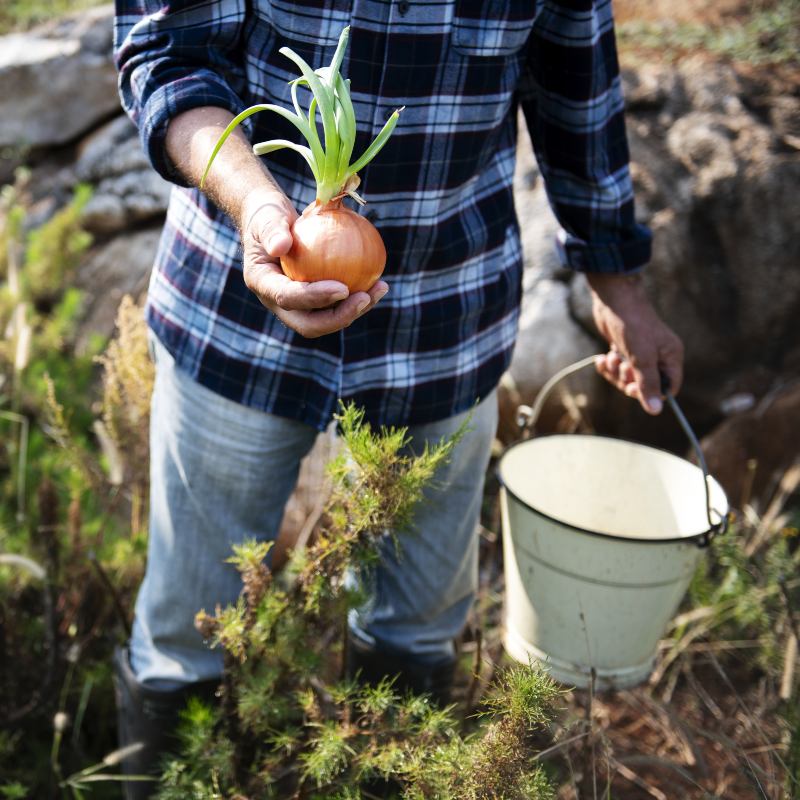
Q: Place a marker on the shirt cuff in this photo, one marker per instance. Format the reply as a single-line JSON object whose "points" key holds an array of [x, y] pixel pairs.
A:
{"points": [[197, 89], [623, 257]]}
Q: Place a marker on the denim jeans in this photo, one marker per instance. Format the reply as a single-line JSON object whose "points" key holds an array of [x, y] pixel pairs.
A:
{"points": [[222, 472]]}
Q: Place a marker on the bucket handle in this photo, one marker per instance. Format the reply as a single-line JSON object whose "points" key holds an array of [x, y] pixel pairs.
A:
{"points": [[527, 417]]}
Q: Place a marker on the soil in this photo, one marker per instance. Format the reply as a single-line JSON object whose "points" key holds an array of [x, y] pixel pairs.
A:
{"points": [[708, 729], [701, 12], [782, 75]]}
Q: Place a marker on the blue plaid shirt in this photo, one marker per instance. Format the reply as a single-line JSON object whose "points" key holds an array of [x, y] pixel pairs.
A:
{"points": [[440, 193]]}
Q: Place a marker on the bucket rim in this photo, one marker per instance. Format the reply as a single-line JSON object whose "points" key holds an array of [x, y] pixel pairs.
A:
{"points": [[700, 539]]}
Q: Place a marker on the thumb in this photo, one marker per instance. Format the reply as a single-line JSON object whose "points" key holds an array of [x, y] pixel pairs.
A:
{"points": [[270, 227], [275, 236]]}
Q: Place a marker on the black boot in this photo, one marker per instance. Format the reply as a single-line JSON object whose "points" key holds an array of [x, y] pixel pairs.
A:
{"points": [[370, 666], [150, 717]]}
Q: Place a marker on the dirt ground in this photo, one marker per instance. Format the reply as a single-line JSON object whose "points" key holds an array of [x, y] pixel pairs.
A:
{"points": [[706, 728], [712, 12], [710, 736]]}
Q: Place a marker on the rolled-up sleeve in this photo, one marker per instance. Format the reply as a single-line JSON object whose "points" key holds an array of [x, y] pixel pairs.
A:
{"points": [[175, 56], [571, 95]]}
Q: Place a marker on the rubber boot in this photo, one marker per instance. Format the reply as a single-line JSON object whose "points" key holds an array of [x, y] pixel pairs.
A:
{"points": [[149, 717], [369, 666]]}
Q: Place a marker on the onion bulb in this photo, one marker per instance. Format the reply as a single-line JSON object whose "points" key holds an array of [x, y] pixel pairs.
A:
{"points": [[331, 242]]}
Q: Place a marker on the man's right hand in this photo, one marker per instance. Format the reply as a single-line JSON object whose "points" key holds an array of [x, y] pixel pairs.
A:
{"points": [[239, 183], [312, 309]]}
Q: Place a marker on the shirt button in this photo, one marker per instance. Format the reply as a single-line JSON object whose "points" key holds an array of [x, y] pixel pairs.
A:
{"points": [[372, 216], [402, 7]]}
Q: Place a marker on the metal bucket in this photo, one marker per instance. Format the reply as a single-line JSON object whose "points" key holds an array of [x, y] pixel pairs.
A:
{"points": [[601, 538]]}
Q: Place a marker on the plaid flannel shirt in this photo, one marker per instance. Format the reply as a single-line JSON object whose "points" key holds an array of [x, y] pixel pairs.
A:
{"points": [[440, 193]]}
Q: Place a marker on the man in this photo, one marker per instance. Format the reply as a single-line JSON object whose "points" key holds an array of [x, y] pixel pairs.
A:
{"points": [[250, 365]]}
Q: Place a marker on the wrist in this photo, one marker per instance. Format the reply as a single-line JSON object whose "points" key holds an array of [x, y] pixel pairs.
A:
{"points": [[239, 183], [616, 289]]}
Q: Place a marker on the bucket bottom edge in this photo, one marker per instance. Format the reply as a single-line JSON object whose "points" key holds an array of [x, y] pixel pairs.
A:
{"points": [[576, 675]]}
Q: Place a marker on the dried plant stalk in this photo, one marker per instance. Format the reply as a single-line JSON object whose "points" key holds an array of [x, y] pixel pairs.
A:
{"points": [[127, 388]]}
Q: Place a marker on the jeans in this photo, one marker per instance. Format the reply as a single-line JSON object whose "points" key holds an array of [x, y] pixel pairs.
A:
{"points": [[221, 473]]}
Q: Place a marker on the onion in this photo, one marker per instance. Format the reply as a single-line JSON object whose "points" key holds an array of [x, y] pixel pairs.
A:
{"points": [[331, 242]]}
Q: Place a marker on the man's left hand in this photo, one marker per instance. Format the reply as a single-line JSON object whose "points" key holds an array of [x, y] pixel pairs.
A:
{"points": [[642, 345]]}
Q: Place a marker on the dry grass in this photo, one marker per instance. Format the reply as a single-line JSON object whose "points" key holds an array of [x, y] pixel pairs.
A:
{"points": [[128, 377]]}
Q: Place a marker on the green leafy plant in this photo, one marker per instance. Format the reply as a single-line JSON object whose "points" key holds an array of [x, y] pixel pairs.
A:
{"points": [[54, 249], [22, 14], [288, 723], [68, 563]]}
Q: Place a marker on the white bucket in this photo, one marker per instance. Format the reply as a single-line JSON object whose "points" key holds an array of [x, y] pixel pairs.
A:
{"points": [[601, 538]]}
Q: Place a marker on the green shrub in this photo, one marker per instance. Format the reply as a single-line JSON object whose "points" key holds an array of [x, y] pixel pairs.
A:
{"points": [[59, 512], [287, 722]]}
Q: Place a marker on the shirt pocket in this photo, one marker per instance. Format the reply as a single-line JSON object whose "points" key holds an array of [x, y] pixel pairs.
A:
{"points": [[492, 28], [318, 22]]}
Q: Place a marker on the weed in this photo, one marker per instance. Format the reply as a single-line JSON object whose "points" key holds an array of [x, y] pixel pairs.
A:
{"points": [[62, 532]]}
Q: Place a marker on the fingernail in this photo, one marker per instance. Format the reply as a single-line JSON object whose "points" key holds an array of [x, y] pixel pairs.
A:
{"points": [[382, 294], [340, 295], [655, 405], [361, 306]]}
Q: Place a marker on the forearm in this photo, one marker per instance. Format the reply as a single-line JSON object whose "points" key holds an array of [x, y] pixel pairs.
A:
{"points": [[238, 182], [571, 95]]}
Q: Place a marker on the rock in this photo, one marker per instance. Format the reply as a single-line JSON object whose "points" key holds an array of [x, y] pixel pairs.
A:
{"points": [[111, 150], [704, 144], [784, 117], [709, 86], [121, 202], [717, 187], [58, 80], [120, 267], [548, 340], [580, 305], [652, 87], [750, 452], [127, 190]]}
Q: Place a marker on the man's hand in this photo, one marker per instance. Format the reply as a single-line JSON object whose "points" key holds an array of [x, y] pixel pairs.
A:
{"points": [[642, 345], [311, 309], [240, 184]]}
